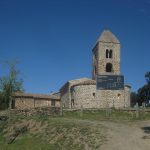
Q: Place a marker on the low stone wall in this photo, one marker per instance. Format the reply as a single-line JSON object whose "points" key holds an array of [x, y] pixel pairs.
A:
{"points": [[43, 111]]}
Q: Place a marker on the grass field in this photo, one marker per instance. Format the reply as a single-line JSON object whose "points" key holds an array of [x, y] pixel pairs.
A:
{"points": [[74, 131]]}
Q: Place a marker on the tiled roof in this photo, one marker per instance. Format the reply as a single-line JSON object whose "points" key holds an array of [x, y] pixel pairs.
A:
{"points": [[71, 83], [88, 82], [36, 96], [108, 36]]}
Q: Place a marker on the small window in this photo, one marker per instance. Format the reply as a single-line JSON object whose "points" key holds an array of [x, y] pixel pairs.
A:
{"points": [[119, 95], [93, 94], [108, 67]]}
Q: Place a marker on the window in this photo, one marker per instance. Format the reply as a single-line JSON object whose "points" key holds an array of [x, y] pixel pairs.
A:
{"points": [[108, 67], [119, 95], [108, 53], [93, 94]]}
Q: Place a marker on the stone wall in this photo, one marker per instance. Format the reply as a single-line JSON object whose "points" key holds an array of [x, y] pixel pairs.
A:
{"points": [[27, 103], [83, 96], [24, 103], [87, 96], [100, 61], [65, 99], [127, 96], [111, 98]]}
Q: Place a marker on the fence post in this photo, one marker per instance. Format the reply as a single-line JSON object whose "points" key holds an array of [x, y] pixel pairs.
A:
{"points": [[137, 110], [61, 109], [108, 110], [81, 111], [143, 104]]}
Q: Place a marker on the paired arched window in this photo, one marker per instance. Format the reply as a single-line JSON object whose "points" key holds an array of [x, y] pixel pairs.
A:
{"points": [[108, 53], [109, 67]]}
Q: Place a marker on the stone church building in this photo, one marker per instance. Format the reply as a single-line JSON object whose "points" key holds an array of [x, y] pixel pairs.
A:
{"points": [[106, 88]]}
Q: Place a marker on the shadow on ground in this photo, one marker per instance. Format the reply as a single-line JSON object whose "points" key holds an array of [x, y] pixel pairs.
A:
{"points": [[147, 131]]}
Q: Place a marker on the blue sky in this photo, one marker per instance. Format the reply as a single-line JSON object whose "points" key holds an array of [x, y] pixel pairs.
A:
{"points": [[53, 39]]}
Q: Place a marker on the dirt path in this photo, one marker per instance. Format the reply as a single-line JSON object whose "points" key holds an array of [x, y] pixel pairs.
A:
{"points": [[127, 136]]}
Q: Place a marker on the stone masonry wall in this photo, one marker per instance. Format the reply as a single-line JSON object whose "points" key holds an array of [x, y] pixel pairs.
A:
{"points": [[100, 60], [127, 96], [111, 98], [65, 100], [84, 96], [88, 97], [24, 103], [115, 60], [27, 103]]}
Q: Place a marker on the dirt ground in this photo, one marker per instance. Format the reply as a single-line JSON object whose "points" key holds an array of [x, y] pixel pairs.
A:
{"points": [[127, 136]]}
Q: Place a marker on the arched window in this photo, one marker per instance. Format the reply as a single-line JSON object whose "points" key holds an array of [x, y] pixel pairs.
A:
{"points": [[110, 54], [107, 53], [108, 67]]}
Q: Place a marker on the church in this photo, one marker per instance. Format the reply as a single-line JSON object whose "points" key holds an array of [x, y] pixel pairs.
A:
{"points": [[106, 89]]}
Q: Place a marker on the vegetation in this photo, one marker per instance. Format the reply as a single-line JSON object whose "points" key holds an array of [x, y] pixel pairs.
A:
{"points": [[110, 114], [75, 130], [147, 77], [51, 134], [9, 84], [144, 92]]}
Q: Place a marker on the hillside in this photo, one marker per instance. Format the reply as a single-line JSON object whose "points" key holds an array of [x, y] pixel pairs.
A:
{"points": [[91, 131]]}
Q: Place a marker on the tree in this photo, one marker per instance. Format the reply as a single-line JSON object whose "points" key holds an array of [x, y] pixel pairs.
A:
{"points": [[147, 77], [144, 92], [9, 84]]}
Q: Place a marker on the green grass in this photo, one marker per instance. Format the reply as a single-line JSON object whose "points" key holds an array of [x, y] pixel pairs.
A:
{"points": [[113, 115], [27, 143], [52, 133]]}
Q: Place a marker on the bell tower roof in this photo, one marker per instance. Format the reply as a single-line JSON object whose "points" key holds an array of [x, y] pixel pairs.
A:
{"points": [[108, 37]]}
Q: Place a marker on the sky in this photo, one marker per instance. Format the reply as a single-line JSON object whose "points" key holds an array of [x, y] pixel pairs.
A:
{"points": [[53, 39]]}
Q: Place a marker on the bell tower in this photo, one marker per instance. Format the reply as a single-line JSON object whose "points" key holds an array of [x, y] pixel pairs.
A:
{"points": [[106, 55]]}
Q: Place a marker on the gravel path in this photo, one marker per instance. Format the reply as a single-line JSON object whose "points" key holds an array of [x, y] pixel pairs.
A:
{"points": [[124, 135], [127, 136]]}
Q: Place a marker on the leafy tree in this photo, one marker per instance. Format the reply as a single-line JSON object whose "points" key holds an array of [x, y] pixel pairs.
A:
{"points": [[147, 77], [144, 92], [9, 84]]}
